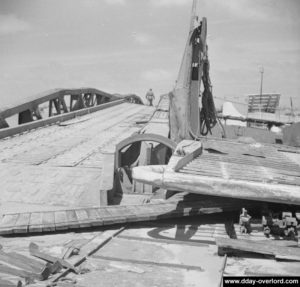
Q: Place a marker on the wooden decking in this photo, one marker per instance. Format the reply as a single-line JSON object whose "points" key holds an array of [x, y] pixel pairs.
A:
{"points": [[70, 219], [60, 165], [51, 179], [229, 169], [251, 162]]}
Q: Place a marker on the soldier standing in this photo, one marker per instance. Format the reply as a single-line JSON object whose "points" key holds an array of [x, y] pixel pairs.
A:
{"points": [[150, 97]]}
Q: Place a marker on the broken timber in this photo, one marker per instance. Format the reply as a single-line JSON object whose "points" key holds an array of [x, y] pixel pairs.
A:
{"points": [[34, 251], [227, 170], [5, 283], [116, 214], [27, 275], [43, 272], [90, 248]]}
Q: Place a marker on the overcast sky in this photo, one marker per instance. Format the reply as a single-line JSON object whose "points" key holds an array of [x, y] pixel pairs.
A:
{"points": [[129, 46]]}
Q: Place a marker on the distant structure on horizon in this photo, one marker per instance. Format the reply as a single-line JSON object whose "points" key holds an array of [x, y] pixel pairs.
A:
{"points": [[265, 103]]}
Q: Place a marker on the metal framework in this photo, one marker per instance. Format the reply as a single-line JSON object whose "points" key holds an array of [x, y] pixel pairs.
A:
{"points": [[141, 138], [60, 101]]}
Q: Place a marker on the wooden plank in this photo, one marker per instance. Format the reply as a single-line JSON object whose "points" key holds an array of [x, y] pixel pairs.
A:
{"points": [[36, 222], [178, 207], [129, 214], [208, 185], [107, 177], [7, 223], [83, 218], [94, 245], [135, 213], [185, 152], [42, 273], [142, 213], [7, 259], [21, 225], [165, 210], [148, 189], [94, 217], [138, 187], [145, 154], [226, 245], [61, 220], [105, 216], [34, 251], [48, 221], [168, 210], [6, 283], [287, 257], [116, 214], [149, 262], [263, 270], [72, 219], [125, 212], [30, 261], [29, 276]]}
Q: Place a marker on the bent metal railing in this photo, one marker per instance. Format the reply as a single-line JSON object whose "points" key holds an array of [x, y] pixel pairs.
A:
{"points": [[57, 102], [58, 106]]}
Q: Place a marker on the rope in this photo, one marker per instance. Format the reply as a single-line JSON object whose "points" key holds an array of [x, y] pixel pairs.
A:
{"points": [[208, 114]]}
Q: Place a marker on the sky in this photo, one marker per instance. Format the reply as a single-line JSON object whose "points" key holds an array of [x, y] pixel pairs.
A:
{"points": [[129, 46]]}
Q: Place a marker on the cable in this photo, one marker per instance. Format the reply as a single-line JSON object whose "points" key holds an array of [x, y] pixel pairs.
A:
{"points": [[208, 114]]}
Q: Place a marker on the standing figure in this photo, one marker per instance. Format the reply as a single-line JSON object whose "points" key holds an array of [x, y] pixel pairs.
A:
{"points": [[150, 97]]}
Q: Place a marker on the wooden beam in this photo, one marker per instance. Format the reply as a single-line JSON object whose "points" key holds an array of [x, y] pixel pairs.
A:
{"points": [[6, 283], [144, 159], [107, 179], [185, 152], [42, 272], [209, 185], [231, 246], [28, 276], [90, 248], [30, 261], [34, 251]]}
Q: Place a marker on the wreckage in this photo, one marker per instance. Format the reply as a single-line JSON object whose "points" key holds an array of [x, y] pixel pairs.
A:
{"points": [[118, 192]]}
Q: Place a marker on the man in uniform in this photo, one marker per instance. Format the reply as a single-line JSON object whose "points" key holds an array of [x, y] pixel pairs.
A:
{"points": [[150, 97]]}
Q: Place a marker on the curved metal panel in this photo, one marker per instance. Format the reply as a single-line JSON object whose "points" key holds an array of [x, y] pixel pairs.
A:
{"points": [[142, 137], [33, 102]]}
